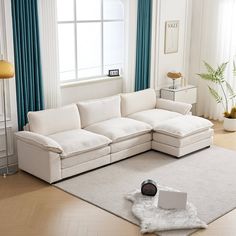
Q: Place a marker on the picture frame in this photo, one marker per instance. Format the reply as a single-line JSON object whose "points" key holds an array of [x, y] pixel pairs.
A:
{"points": [[171, 36], [113, 73]]}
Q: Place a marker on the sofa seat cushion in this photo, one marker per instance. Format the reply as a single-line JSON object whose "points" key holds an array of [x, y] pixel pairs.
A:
{"points": [[118, 129], [182, 151], [154, 117], [74, 142], [183, 126], [85, 157], [182, 142], [129, 143]]}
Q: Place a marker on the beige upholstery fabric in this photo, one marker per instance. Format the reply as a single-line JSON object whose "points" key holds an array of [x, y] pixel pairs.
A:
{"points": [[89, 165], [130, 152], [181, 142], [57, 147], [178, 152], [138, 101], [183, 126], [126, 144], [119, 129], [84, 157], [56, 120], [94, 111], [180, 107], [40, 141], [74, 142], [38, 162], [154, 117]]}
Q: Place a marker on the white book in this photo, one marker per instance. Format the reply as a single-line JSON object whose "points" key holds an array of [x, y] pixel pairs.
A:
{"points": [[172, 199]]}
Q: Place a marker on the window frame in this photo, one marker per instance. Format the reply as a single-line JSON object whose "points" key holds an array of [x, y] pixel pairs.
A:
{"points": [[75, 22]]}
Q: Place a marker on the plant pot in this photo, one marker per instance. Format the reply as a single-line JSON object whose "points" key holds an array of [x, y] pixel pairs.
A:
{"points": [[229, 124]]}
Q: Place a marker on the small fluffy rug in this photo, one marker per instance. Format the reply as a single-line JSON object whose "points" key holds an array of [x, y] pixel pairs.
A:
{"points": [[154, 219], [208, 176]]}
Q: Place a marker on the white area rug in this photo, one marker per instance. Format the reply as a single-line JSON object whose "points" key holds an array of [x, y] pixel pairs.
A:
{"points": [[208, 176], [154, 219]]}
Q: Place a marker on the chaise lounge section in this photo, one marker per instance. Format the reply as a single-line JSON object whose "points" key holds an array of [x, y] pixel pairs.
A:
{"points": [[182, 135], [76, 138], [175, 131]]}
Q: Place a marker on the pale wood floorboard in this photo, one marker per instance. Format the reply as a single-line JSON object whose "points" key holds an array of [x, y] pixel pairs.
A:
{"points": [[31, 207]]}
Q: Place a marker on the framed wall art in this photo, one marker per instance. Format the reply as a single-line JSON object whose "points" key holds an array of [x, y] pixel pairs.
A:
{"points": [[171, 36]]}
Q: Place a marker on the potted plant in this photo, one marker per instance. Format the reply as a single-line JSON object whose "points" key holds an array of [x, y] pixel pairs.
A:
{"points": [[224, 94]]}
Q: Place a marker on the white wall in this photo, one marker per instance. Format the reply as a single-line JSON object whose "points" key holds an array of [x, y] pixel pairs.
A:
{"points": [[169, 10], [91, 90]]}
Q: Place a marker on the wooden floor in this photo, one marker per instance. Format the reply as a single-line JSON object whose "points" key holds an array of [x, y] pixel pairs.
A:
{"points": [[30, 207]]}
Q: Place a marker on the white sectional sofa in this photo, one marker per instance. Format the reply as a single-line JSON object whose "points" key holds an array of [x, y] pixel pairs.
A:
{"points": [[76, 138]]}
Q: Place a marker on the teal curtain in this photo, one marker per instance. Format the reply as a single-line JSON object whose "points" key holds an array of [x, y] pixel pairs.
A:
{"points": [[143, 45], [28, 72]]}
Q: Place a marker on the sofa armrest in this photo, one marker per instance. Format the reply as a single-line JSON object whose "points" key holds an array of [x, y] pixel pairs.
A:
{"points": [[40, 141], [180, 107]]}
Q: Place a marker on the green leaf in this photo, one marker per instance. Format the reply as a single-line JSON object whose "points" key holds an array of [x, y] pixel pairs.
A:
{"points": [[215, 76], [220, 71], [215, 95], [209, 77], [222, 67], [209, 68]]}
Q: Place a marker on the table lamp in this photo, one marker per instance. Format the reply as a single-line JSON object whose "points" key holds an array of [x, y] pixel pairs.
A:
{"points": [[174, 76], [6, 72]]}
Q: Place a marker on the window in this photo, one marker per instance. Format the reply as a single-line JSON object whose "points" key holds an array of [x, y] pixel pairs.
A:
{"points": [[91, 38]]}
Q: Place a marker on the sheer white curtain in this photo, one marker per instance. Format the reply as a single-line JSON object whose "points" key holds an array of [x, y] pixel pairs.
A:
{"points": [[49, 52], [130, 8], [217, 40]]}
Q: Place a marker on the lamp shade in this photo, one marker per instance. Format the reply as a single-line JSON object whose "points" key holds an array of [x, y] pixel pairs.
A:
{"points": [[6, 70]]}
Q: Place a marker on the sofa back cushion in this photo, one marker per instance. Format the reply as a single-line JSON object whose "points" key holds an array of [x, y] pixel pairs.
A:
{"points": [[56, 120], [138, 101], [94, 111]]}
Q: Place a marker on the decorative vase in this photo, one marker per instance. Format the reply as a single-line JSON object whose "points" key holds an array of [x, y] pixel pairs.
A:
{"points": [[229, 124], [174, 76]]}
